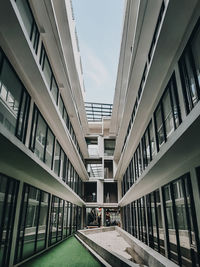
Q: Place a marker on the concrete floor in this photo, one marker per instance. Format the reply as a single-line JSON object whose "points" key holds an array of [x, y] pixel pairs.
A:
{"points": [[111, 240]]}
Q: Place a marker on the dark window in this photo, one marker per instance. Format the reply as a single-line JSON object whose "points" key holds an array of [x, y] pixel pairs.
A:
{"points": [[189, 70], [15, 101], [8, 192], [109, 147]]}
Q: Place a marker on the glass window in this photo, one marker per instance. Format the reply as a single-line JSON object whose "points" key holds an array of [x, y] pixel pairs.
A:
{"points": [[47, 71], [26, 14], [15, 101], [196, 53], [109, 147], [159, 126], [61, 107], [69, 218], [57, 159], [8, 199], [32, 228], [49, 148], [54, 220], [43, 219], [42, 139], [152, 140], [168, 115], [189, 70], [65, 219], [181, 221], [54, 90], [60, 220]]}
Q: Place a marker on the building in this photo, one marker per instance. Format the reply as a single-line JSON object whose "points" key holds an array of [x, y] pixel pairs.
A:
{"points": [[62, 160]]}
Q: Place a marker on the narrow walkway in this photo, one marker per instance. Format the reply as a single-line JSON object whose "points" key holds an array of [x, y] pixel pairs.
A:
{"points": [[69, 253]]}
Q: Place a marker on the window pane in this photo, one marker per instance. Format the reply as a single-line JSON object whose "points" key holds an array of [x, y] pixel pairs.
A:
{"points": [[57, 159], [196, 53], [26, 15], [61, 106], [40, 138], [47, 71], [175, 103], [42, 227], [191, 80], [8, 193], [23, 117], [31, 223], [168, 115], [159, 126], [54, 90], [60, 221], [54, 220], [49, 148], [62, 158], [109, 147], [10, 94], [152, 141]]}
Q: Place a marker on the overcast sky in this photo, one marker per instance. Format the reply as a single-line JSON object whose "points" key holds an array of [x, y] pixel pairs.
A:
{"points": [[99, 28]]}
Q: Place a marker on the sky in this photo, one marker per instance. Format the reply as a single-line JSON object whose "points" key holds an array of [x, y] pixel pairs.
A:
{"points": [[99, 29]]}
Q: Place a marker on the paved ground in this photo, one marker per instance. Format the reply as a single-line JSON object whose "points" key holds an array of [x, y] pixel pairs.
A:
{"points": [[111, 240], [69, 253]]}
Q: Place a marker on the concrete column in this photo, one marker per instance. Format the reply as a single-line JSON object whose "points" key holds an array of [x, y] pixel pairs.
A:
{"points": [[102, 216], [100, 191], [119, 189], [16, 220]]}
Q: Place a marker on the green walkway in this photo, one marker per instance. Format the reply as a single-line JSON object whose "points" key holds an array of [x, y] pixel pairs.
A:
{"points": [[69, 253]]}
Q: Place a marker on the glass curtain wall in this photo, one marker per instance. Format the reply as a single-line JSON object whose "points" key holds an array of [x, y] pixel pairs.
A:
{"points": [[42, 139], [179, 215], [14, 100], [32, 230], [167, 118], [34, 221], [167, 115], [182, 232], [33, 33], [8, 198], [42, 143]]}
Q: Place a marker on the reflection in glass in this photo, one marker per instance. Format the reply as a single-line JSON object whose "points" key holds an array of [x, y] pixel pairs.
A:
{"points": [[32, 223], [8, 193]]}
